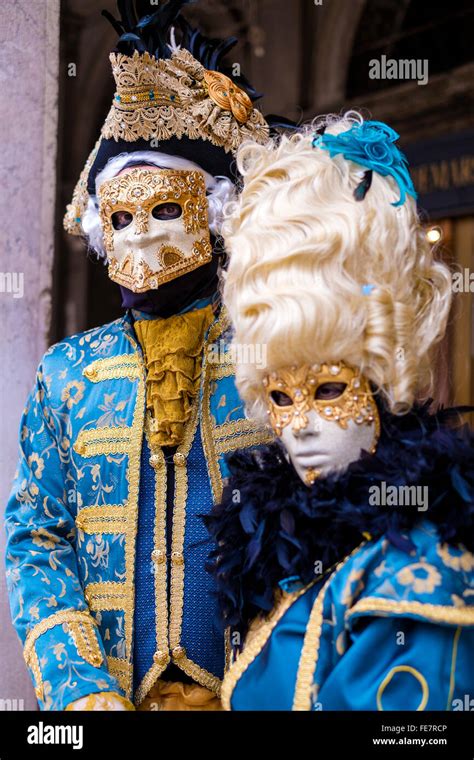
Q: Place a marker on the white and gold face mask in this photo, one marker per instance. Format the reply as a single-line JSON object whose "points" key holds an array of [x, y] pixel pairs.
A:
{"points": [[324, 414], [155, 226]]}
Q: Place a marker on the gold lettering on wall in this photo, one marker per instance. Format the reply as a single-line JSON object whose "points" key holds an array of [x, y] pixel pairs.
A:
{"points": [[443, 175]]}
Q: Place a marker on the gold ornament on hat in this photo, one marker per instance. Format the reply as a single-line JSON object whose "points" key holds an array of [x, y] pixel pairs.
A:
{"points": [[228, 96]]}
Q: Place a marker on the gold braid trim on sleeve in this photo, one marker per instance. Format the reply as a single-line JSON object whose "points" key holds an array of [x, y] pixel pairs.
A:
{"points": [[33, 663], [436, 613], [85, 639], [82, 627]]}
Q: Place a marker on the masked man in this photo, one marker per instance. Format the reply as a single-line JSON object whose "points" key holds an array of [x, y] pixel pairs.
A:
{"points": [[123, 436]]}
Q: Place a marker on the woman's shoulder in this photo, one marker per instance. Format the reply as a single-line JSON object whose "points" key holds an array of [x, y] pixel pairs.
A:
{"points": [[416, 576]]}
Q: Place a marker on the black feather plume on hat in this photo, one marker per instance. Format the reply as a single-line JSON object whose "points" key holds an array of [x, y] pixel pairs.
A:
{"points": [[151, 32], [145, 32], [210, 53]]}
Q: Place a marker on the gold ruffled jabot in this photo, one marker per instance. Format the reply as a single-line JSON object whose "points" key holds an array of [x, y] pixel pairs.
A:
{"points": [[173, 354]]}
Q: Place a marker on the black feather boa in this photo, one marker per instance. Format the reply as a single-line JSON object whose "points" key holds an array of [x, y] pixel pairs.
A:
{"points": [[278, 527]]}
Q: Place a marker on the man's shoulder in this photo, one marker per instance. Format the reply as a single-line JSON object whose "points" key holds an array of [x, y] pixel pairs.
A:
{"points": [[70, 356]]}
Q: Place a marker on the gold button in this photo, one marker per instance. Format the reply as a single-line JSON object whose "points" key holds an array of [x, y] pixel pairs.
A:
{"points": [[160, 657], [179, 459], [177, 558], [178, 652], [90, 372], [155, 460], [79, 448], [158, 556]]}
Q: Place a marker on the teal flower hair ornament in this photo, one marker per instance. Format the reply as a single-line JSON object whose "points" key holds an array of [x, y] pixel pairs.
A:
{"points": [[372, 145]]}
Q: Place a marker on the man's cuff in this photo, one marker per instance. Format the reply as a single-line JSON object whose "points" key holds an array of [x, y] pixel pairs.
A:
{"points": [[67, 660]]}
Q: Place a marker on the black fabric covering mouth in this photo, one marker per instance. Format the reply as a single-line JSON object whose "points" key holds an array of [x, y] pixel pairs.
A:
{"points": [[209, 157]]}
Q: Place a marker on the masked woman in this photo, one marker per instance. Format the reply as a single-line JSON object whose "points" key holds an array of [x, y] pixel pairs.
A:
{"points": [[345, 563]]}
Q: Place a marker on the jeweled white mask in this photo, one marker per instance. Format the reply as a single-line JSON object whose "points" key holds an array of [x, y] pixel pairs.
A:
{"points": [[325, 416], [155, 226]]}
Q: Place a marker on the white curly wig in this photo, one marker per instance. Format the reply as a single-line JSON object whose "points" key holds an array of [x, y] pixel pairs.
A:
{"points": [[220, 190], [302, 251]]}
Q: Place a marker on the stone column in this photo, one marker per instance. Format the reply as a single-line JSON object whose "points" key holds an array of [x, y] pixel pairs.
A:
{"points": [[29, 64]]}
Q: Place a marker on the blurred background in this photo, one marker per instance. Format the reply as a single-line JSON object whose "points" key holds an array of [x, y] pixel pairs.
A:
{"points": [[308, 57]]}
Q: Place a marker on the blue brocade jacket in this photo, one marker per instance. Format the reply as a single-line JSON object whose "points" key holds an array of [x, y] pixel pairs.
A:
{"points": [[101, 597], [385, 631]]}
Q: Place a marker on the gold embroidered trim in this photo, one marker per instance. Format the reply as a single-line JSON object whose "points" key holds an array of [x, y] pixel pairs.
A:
{"points": [[107, 595], [255, 642], [404, 669], [304, 691], [87, 644], [69, 615], [75, 210], [113, 368], [161, 573], [216, 329], [101, 441], [170, 640], [244, 440], [219, 439], [127, 440], [133, 478], [33, 663], [109, 518], [452, 675], [121, 670], [436, 613], [217, 372], [179, 524], [234, 427], [200, 675]]}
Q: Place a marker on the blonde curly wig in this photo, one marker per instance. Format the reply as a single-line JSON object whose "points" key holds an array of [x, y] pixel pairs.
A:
{"points": [[302, 251]]}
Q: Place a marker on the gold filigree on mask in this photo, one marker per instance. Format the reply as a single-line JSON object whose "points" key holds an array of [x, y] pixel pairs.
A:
{"points": [[301, 383], [182, 243]]}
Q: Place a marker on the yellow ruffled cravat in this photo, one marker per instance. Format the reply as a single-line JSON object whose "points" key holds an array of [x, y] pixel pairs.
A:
{"points": [[172, 349]]}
